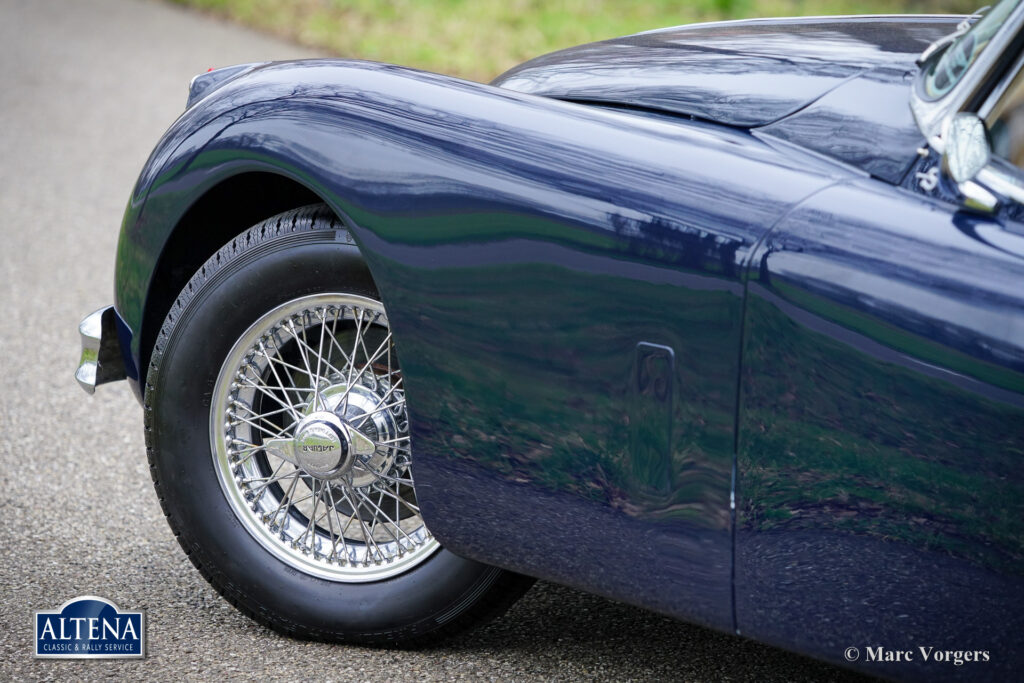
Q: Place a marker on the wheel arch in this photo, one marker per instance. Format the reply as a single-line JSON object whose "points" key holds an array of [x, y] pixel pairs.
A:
{"points": [[220, 214]]}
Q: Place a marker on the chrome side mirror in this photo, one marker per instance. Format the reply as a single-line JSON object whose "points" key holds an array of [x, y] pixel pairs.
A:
{"points": [[966, 149], [966, 154]]}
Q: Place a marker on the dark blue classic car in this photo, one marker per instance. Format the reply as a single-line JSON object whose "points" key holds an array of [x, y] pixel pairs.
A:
{"points": [[724, 320]]}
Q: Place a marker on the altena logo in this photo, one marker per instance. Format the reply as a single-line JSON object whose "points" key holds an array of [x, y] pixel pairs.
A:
{"points": [[88, 627]]}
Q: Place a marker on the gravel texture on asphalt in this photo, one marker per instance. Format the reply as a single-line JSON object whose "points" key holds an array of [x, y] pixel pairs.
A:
{"points": [[87, 88]]}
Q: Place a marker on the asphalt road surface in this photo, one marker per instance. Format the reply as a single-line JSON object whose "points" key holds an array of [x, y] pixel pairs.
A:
{"points": [[86, 88]]}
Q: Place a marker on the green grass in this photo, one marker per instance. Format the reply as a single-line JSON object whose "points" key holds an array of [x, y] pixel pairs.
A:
{"points": [[478, 39]]}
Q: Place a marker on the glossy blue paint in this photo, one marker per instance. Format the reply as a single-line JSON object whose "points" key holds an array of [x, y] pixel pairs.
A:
{"points": [[882, 432], [838, 86], [865, 122], [518, 292], [739, 73], [204, 84]]}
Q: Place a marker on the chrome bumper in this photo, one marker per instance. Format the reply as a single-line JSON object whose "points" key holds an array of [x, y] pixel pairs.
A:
{"points": [[101, 361]]}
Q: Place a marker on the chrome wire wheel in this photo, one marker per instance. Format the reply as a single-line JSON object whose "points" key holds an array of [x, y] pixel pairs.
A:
{"points": [[310, 440]]}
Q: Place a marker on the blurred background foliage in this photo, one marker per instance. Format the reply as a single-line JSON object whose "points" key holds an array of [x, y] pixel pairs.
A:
{"points": [[478, 39]]}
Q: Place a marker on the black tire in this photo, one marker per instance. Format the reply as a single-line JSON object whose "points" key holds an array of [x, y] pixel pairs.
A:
{"points": [[297, 253]]}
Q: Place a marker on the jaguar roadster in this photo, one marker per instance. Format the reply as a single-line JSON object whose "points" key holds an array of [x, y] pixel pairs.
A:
{"points": [[724, 320]]}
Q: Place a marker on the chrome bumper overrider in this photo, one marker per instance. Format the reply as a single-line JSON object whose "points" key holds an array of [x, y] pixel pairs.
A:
{"points": [[101, 351]]}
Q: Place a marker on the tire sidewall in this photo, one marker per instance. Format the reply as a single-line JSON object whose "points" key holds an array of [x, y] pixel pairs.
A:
{"points": [[183, 376]]}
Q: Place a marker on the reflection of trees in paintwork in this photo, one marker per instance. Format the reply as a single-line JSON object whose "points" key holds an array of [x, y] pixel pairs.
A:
{"points": [[534, 385], [881, 141], [742, 74], [660, 240], [833, 438]]}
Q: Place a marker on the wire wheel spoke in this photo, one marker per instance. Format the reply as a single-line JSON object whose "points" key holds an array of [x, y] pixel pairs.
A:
{"points": [[310, 437]]}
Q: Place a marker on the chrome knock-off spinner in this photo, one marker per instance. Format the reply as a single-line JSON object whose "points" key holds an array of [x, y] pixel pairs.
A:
{"points": [[323, 446]]}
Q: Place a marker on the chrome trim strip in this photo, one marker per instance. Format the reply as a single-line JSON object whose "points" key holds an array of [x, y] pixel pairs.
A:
{"points": [[978, 198], [1002, 182], [997, 93]]}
